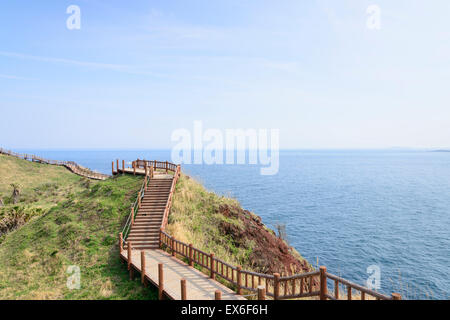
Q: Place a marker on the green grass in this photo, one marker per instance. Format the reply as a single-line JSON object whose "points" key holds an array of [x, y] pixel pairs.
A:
{"points": [[78, 226], [194, 219], [41, 186]]}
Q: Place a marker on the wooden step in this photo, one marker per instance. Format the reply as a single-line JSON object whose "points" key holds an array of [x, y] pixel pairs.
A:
{"points": [[153, 204], [153, 207], [147, 228], [144, 235], [144, 247], [148, 223], [150, 203], [146, 213], [150, 217], [139, 239], [133, 238], [153, 196], [153, 219], [145, 223], [143, 243]]}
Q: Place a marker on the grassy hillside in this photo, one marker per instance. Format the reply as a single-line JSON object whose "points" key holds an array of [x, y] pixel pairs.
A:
{"points": [[219, 225], [40, 185], [77, 225]]}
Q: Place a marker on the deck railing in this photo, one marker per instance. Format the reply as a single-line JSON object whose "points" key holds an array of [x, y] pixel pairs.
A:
{"points": [[311, 284], [72, 166], [134, 209], [162, 165], [172, 191]]}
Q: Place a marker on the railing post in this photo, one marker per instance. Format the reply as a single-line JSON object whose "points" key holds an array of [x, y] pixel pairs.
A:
{"points": [[112, 168], [166, 167], [238, 280], [183, 289], [160, 281], [211, 258], [132, 216], [129, 255], [143, 268], [117, 165], [191, 262], [139, 200], [261, 293], [218, 295], [123, 166], [323, 283], [396, 296], [120, 242], [131, 273], [134, 167], [160, 238], [276, 286], [173, 247]]}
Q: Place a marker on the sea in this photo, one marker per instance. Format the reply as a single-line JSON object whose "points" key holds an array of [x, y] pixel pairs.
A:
{"points": [[378, 217]]}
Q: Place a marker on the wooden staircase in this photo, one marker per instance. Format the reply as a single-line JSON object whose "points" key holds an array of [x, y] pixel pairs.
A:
{"points": [[144, 232]]}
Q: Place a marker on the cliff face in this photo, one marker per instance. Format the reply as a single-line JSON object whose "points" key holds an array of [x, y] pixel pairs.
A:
{"points": [[219, 225], [269, 253]]}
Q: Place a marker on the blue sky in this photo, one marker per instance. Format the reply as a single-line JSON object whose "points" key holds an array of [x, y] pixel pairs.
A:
{"points": [[137, 70]]}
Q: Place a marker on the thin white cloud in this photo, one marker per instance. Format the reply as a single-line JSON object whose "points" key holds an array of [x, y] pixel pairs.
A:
{"points": [[108, 66], [12, 77], [61, 60]]}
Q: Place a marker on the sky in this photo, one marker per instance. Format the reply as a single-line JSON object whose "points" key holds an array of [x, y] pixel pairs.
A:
{"points": [[136, 71]]}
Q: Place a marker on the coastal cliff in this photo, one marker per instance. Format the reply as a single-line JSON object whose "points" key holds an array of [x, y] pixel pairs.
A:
{"points": [[219, 225]]}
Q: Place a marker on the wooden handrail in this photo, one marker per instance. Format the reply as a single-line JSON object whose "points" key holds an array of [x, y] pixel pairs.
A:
{"points": [[134, 209], [169, 200], [349, 284], [310, 284]]}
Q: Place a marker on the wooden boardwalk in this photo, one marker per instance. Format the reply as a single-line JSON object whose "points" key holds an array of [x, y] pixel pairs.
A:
{"points": [[143, 239], [198, 285], [70, 165]]}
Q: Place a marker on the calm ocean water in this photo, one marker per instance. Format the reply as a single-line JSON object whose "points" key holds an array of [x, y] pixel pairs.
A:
{"points": [[345, 209]]}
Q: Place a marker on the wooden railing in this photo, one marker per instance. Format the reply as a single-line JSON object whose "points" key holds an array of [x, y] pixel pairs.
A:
{"points": [[311, 284], [134, 209], [172, 191], [72, 166], [162, 165]]}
